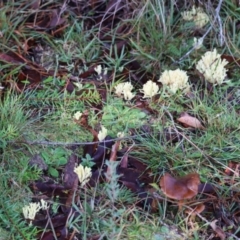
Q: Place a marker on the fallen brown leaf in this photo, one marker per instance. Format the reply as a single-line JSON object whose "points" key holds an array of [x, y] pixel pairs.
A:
{"points": [[197, 210], [189, 121], [233, 169], [113, 157], [70, 179], [180, 188], [220, 233]]}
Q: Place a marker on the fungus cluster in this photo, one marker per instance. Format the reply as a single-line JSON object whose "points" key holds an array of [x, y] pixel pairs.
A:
{"points": [[197, 15], [125, 89], [83, 173], [175, 80], [212, 67]]}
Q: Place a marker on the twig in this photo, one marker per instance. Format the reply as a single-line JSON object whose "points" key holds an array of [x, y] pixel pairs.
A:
{"points": [[72, 143]]}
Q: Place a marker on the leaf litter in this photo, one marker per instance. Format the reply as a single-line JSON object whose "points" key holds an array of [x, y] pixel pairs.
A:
{"points": [[134, 174]]}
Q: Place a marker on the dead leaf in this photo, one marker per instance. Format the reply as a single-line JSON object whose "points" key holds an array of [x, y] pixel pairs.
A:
{"points": [[233, 169], [99, 152], [113, 157], [180, 188], [61, 233], [58, 221], [70, 180], [189, 121], [49, 188], [218, 230], [35, 4], [197, 210], [124, 161], [206, 188], [114, 151], [38, 162], [13, 58]]}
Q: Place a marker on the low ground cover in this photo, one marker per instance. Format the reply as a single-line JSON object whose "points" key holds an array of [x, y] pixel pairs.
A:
{"points": [[119, 120]]}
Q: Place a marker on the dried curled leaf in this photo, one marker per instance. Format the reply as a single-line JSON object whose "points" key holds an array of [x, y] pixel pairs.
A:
{"points": [[220, 233], [189, 121], [197, 210], [180, 188]]}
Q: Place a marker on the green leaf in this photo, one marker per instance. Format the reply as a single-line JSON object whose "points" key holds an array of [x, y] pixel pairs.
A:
{"points": [[48, 80], [137, 113], [62, 161], [142, 114], [59, 152], [108, 117], [45, 156], [53, 172], [25, 81]]}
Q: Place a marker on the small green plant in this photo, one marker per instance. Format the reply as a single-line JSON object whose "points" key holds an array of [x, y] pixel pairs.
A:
{"points": [[13, 118], [112, 187], [154, 38], [118, 117], [54, 158], [87, 161]]}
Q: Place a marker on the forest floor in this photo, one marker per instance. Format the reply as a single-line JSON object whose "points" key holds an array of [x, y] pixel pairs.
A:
{"points": [[119, 120]]}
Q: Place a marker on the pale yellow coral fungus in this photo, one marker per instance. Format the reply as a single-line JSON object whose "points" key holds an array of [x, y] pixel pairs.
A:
{"points": [[98, 69], [212, 67], [125, 90], [150, 89], [102, 133], [84, 174], [29, 211], [197, 43], [197, 15], [175, 80], [77, 115]]}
